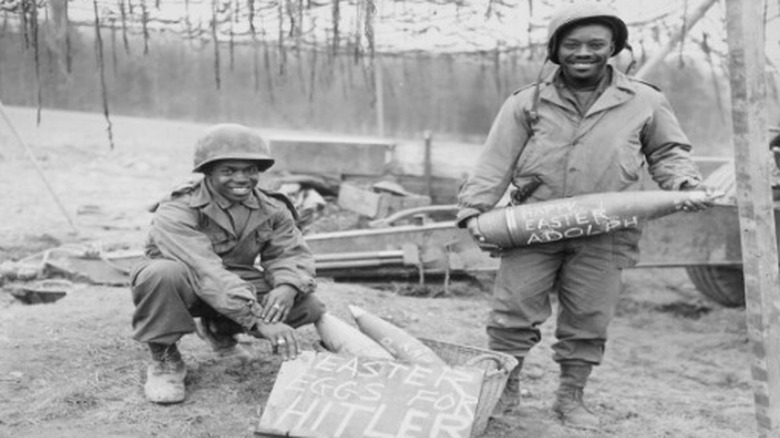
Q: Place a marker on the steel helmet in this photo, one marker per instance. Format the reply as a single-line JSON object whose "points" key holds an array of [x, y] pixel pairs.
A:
{"points": [[587, 12], [230, 141]]}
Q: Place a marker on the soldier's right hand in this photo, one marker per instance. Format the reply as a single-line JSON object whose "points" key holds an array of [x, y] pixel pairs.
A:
{"points": [[281, 336], [491, 248]]}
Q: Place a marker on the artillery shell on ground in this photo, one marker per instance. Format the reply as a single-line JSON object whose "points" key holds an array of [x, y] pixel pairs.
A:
{"points": [[341, 338], [401, 344]]}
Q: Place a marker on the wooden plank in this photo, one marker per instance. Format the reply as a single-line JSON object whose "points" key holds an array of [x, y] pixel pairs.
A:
{"points": [[329, 157], [377, 205], [327, 395], [745, 27], [360, 201], [389, 204]]}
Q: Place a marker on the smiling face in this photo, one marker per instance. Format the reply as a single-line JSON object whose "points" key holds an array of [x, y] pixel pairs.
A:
{"points": [[583, 53], [234, 179]]}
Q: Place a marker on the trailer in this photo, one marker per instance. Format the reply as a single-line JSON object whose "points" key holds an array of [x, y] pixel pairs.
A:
{"points": [[418, 242]]}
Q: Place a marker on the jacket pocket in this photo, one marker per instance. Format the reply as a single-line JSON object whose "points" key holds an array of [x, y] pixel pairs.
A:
{"points": [[630, 161], [625, 247], [221, 240]]}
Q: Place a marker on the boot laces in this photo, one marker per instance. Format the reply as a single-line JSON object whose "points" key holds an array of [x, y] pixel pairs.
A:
{"points": [[577, 395], [572, 399], [169, 358]]}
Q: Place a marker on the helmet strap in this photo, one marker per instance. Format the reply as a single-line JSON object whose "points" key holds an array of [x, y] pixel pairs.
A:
{"points": [[533, 113]]}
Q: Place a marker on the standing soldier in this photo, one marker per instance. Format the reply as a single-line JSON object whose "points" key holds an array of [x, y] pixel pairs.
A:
{"points": [[201, 254], [585, 128]]}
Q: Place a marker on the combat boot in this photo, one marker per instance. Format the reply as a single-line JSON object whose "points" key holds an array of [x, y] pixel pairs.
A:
{"points": [[510, 398], [165, 375], [224, 344], [569, 405]]}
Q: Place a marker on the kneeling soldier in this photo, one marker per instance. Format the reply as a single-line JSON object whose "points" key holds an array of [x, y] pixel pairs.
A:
{"points": [[200, 262]]}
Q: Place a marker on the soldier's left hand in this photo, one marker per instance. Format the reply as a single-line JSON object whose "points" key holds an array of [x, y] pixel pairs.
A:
{"points": [[277, 303], [700, 203]]}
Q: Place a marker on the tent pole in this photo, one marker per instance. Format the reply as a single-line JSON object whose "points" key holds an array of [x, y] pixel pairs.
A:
{"points": [[32, 158]]}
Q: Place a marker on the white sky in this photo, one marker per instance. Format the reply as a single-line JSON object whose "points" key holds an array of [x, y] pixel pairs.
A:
{"points": [[417, 25]]}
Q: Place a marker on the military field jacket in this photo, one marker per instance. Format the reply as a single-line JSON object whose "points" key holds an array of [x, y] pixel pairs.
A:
{"points": [[630, 128], [190, 227]]}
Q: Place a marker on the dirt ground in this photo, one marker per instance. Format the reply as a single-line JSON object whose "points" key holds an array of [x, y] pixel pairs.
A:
{"points": [[676, 366]]}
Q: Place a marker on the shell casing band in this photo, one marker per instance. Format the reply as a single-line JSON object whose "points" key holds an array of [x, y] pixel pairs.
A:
{"points": [[512, 225]]}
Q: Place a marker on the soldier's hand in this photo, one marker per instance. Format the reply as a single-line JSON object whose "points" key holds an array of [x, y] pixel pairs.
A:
{"points": [[473, 228], [281, 336], [699, 203], [277, 303]]}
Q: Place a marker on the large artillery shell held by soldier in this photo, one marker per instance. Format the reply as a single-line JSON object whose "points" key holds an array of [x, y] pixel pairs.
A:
{"points": [[578, 216]]}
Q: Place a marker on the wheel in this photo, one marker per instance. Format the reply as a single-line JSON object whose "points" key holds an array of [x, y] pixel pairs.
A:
{"points": [[723, 284]]}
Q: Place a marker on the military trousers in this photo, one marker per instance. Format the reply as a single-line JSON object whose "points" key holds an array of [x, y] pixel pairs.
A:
{"points": [[166, 302], [585, 276]]}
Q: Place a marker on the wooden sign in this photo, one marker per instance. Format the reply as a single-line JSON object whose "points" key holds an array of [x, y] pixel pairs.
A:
{"points": [[333, 396]]}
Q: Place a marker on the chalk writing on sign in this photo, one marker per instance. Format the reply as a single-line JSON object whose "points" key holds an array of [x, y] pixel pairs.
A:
{"points": [[327, 395]]}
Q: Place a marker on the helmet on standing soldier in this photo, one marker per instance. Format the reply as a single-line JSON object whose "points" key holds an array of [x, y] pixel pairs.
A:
{"points": [[231, 141], [585, 13]]}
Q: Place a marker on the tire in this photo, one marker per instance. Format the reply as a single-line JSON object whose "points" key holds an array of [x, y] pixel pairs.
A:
{"points": [[724, 285]]}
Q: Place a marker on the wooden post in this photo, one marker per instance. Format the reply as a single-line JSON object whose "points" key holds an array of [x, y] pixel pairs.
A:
{"points": [[428, 163], [380, 96], [745, 26]]}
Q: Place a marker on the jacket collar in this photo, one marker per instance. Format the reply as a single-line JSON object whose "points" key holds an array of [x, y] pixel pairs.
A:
{"points": [[215, 207], [619, 90]]}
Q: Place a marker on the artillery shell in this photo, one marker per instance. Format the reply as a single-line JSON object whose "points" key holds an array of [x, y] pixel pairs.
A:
{"points": [[402, 345], [341, 338], [578, 216]]}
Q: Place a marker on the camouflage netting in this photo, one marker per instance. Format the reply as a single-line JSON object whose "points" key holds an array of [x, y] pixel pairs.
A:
{"points": [[318, 37]]}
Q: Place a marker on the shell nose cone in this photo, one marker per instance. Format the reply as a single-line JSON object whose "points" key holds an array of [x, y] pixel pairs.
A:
{"points": [[356, 311]]}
